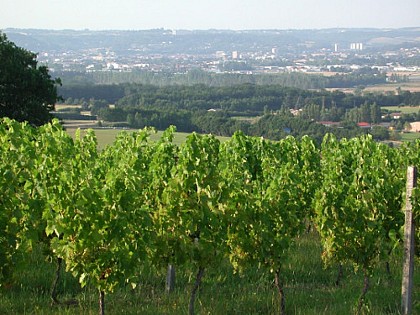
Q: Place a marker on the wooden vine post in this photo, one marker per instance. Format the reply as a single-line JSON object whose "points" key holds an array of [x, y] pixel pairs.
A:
{"points": [[409, 236], [170, 279]]}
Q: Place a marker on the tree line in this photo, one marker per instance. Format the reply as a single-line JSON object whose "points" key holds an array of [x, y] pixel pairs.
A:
{"points": [[243, 97], [198, 76], [224, 110]]}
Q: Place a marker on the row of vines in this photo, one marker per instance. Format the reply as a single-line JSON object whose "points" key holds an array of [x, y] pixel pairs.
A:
{"points": [[104, 214]]}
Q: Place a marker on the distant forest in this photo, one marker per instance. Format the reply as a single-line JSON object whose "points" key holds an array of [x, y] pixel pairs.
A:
{"points": [[362, 77], [222, 110]]}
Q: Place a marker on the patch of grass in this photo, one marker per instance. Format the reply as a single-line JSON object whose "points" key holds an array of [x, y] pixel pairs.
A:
{"points": [[251, 120], [309, 289], [65, 106], [107, 136], [410, 136], [402, 109]]}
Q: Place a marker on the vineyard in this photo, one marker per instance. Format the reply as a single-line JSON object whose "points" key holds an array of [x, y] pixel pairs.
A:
{"points": [[109, 217]]}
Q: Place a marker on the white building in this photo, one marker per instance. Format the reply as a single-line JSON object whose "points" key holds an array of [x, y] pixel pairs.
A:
{"points": [[356, 46]]}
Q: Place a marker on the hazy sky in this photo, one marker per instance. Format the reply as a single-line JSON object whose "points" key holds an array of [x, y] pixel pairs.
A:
{"points": [[207, 14]]}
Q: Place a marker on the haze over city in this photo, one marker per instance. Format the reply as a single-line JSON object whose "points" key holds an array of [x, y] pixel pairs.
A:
{"points": [[216, 14]]}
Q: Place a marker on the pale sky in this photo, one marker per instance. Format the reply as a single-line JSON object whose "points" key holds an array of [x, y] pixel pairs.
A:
{"points": [[208, 14]]}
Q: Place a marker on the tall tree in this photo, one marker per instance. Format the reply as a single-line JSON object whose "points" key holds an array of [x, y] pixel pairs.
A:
{"points": [[375, 113], [27, 91]]}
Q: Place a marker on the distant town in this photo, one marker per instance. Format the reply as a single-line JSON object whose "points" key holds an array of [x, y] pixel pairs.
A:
{"points": [[222, 51]]}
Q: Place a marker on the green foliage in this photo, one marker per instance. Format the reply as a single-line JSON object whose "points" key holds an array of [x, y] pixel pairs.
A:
{"points": [[17, 155], [277, 127], [240, 96], [106, 231], [370, 113], [27, 91], [411, 153], [269, 188], [111, 214], [189, 212], [358, 206], [211, 109]]}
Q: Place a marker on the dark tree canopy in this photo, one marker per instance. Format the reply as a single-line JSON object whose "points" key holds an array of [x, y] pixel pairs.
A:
{"points": [[27, 91]]}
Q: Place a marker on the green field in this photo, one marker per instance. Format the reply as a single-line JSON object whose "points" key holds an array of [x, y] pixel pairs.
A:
{"points": [[410, 136], [107, 136], [309, 289], [402, 109], [251, 120]]}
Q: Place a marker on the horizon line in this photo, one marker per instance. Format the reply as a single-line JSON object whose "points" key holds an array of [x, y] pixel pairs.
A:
{"points": [[210, 29]]}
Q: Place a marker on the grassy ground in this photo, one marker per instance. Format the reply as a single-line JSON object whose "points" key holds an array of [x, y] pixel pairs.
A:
{"points": [[251, 120], [410, 136], [402, 109], [309, 290], [107, 136], [59, 107], [412, 86]]}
